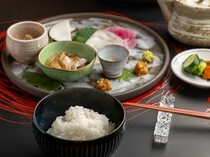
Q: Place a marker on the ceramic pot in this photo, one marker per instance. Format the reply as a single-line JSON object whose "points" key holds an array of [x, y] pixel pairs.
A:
{"points": [[188, 20]]}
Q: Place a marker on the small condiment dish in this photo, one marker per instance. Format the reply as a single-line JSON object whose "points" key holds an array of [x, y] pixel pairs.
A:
{"points": [[57, 103], [25, 39], [113, 59], [70, 47]]}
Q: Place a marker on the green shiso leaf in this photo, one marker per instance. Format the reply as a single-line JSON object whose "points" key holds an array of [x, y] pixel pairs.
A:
{"points": [[126, 75], [42, 81], [84, 34]]}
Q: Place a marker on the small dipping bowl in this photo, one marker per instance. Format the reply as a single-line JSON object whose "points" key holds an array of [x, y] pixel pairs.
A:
{"points": [[113, 59], [25, 39]]}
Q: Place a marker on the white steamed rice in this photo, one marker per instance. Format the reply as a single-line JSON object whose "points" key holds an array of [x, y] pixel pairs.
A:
{"points": [[80, 123]]}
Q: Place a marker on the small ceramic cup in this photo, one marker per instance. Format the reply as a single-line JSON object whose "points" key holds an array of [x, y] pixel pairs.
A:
{"points": [[113, 59], [25, 39]]}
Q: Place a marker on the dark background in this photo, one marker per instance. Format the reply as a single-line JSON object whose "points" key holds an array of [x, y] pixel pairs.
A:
{"points": [[142, 10], [189, 137]]}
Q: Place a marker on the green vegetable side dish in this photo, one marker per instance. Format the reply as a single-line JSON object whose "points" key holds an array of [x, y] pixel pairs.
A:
{"points": [[194, 65], [42, 81], [148, 56]]}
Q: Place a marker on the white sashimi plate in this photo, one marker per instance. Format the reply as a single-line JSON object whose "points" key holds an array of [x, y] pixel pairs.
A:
{"points": [[176, 66]]}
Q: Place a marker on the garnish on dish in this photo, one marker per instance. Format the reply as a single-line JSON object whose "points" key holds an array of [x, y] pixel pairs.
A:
{"points": [[148, 56], [42, 81], [103, 84], [194, 65], [206, 72], [127, 74], [141, 68], [84, 34]]}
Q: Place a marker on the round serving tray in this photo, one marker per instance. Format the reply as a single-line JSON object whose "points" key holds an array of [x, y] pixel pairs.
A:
{"points": [[147, 38]]}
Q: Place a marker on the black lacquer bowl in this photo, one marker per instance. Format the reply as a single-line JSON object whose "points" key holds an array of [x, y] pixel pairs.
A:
{"points": [[57, 103]]}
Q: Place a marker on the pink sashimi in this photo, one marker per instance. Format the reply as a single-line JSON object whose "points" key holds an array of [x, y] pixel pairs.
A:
{"points": [[124, 34]]}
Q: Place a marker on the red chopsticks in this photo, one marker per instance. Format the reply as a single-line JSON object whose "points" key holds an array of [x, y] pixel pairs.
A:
{"points": [[184, 112]]}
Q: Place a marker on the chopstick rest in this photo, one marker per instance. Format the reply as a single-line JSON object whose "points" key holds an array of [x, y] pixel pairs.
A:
{"points": [[162, 126]]}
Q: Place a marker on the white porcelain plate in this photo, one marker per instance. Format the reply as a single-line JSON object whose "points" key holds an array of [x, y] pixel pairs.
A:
{"points": [[176, 66]]}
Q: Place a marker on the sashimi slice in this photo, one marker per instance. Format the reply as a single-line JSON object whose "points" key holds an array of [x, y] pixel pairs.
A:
{"points": [[102, 38], [125, 34], [61, 31]]}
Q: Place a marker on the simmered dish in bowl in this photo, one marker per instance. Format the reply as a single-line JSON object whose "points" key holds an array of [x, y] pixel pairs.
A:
{"points": [[55, 62], [67, 61]]}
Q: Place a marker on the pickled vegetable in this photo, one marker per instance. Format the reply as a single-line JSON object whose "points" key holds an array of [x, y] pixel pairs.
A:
{"points": [[200, 68], [206, 72], [191, 63]]}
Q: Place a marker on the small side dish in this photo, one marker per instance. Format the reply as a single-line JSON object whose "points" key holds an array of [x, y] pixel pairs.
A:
{"points": [[192, 67], [25, 39], [196, 66], [63, 68]]}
